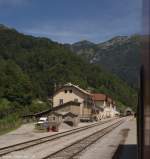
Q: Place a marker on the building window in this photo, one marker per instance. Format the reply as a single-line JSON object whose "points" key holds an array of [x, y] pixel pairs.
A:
{"points": [[53, 118], [76, 100], [61, 101], [65, 91], [70, 91]]}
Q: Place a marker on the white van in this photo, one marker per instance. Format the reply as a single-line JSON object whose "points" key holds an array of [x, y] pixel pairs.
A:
{"points": [[42, 120], [42, 123]]}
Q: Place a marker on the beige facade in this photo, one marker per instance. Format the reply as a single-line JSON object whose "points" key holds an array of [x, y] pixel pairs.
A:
{"points": [[54, 117], [71, 92], [100, 103], [70, 108]]}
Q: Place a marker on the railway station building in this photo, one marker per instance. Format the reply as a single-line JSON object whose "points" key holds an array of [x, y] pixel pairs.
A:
{"points": [[72, 93]]}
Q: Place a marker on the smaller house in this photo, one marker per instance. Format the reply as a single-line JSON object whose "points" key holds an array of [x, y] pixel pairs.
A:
{"points": [[54, 120], [100, 100], [107, 105], [97, 112]]}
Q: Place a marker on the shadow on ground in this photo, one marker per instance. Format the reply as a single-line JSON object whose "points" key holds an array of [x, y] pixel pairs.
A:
{"points": [[126, 152]]}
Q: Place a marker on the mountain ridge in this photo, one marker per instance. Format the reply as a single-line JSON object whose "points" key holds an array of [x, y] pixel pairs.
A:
{"points": [[41, 63], [119, 55]]}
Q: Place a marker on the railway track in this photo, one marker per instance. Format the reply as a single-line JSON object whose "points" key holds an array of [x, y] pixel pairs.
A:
{"points": [[31, 143], [73, 150]]}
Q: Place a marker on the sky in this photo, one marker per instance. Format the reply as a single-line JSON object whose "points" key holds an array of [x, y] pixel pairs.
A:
{"points": [[69, 21]]}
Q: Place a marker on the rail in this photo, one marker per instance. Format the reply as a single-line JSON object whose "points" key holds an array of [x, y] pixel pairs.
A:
{"points": [[31, 143]]}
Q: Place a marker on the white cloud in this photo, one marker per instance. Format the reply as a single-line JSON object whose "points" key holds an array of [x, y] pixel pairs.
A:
{"points": [[49, 32], [63, 32], [59, 35]]}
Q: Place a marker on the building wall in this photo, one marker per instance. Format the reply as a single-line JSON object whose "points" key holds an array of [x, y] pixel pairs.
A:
{"points": [[65, 109], [70, 108], [54, 118], [67, 96], [102, 114], [99, 103], [87, 111], [76, 110], [104, 104], [111, 106], [109, 109]]}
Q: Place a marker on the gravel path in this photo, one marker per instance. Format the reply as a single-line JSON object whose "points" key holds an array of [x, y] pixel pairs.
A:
{"points": [[44, 149], [24, 133], [27, 132]]}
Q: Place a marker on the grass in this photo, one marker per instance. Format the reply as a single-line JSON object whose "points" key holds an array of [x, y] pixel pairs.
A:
{"points": [[5, 131], [9, 123]]}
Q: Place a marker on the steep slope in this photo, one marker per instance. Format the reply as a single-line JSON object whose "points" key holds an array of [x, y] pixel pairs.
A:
{"points": [[38, 63], [120, 55]]}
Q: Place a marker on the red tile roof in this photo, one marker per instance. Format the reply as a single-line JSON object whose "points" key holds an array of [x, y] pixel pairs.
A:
{"points": [[99, 97], [102, 97]]}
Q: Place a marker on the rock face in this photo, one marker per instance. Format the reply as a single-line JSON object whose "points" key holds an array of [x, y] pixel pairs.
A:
{"points": [[120, 55]]}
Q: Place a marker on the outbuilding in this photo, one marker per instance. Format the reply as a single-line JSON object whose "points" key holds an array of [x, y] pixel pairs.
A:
{"points": [[70, 118], [54, 120], [106, 104]]}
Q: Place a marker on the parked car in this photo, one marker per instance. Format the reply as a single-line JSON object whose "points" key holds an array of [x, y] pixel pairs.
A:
{"points": [[42, 123]]}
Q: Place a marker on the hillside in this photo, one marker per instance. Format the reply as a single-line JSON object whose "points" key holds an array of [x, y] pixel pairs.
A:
{"points": [[29, 68], [119, 55]]}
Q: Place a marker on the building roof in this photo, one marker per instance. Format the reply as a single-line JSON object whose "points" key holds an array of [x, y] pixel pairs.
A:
{"points": [[64, 114], [28, 115], [56, 108], [70, 114], [56, 113], [102, 97], [99, 97], [74, 86]]}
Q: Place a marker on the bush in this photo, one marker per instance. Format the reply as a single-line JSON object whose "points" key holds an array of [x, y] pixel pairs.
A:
{"points": [[10, 122]]}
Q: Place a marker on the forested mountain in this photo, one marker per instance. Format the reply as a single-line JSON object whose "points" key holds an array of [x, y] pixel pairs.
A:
{"points": [[119, 55], [29, 68]]}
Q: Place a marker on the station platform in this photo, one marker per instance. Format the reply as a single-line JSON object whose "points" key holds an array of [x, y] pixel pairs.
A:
{"points": [[128, 148]]}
